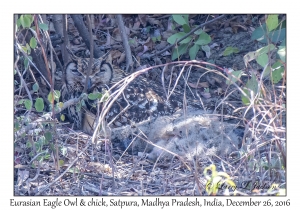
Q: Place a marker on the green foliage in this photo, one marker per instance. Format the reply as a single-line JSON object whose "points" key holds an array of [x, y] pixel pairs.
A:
{"points": [[230, 50], [33, 43], [48, 136], [43, 26], [39, 104], [62, 117], [26, 61], [35, 87], [250, 89], [234, 76], [25, 21], [272, 22], [94, 96], [28, 104], [270, 32], [200, 38], [55, 95]]}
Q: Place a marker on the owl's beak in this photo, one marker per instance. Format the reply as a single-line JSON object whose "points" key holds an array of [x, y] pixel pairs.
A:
{"points": [[90, 84]]}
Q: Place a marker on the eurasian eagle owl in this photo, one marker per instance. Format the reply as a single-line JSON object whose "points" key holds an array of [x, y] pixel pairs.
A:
{"points": [[144, 98]]}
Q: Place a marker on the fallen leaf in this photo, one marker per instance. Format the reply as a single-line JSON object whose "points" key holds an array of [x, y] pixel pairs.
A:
{"points": [[205, 94]]}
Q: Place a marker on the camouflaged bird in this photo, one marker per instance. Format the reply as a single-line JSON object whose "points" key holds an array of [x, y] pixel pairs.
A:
{"points": [[142, 98]]}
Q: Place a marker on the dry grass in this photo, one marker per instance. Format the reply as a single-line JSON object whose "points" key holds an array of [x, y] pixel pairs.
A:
{"points": [[98, 168]]}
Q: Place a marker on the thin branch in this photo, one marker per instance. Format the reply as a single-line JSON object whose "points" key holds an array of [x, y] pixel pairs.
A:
{"points": [[91, 54], [126, 46]]}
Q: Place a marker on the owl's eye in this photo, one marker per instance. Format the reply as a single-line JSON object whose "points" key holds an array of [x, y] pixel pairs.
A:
{"points": [[102, 70]]}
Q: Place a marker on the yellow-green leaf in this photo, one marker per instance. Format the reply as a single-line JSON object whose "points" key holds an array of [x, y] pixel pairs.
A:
{"points": [[33, 43], [62, 117], [272, 22]]}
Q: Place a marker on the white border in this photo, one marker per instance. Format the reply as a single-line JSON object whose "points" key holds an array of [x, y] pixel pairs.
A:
{"points": [[152, 6]]}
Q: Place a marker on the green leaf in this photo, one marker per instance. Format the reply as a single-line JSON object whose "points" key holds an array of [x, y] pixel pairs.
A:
{"points": [[48, 136], [266, 71], [203, 39], [39, 104], [193, 51], [186, 28], [35, 87], [234, 76], [19, 23], [277, 73], [172, 39], [60, 104], [28, 104], [266, 49], [94, 96], [199, 31], [177, 52], [281, 52], [30, 17], [25, 21], [262, 60], [179, 19], [43, 26], [21, 101], [259, 34], [272, 22], [186, 18], [62, 117], [206, 49], [26, 62], [230, 50], [56, 94], [186, 40], [33, 43], [251, 88], [28, 50], [24, 48]]}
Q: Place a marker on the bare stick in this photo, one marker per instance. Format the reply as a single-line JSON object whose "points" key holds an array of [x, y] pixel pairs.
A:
{"points": [[91, 53], [126, 46]]}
